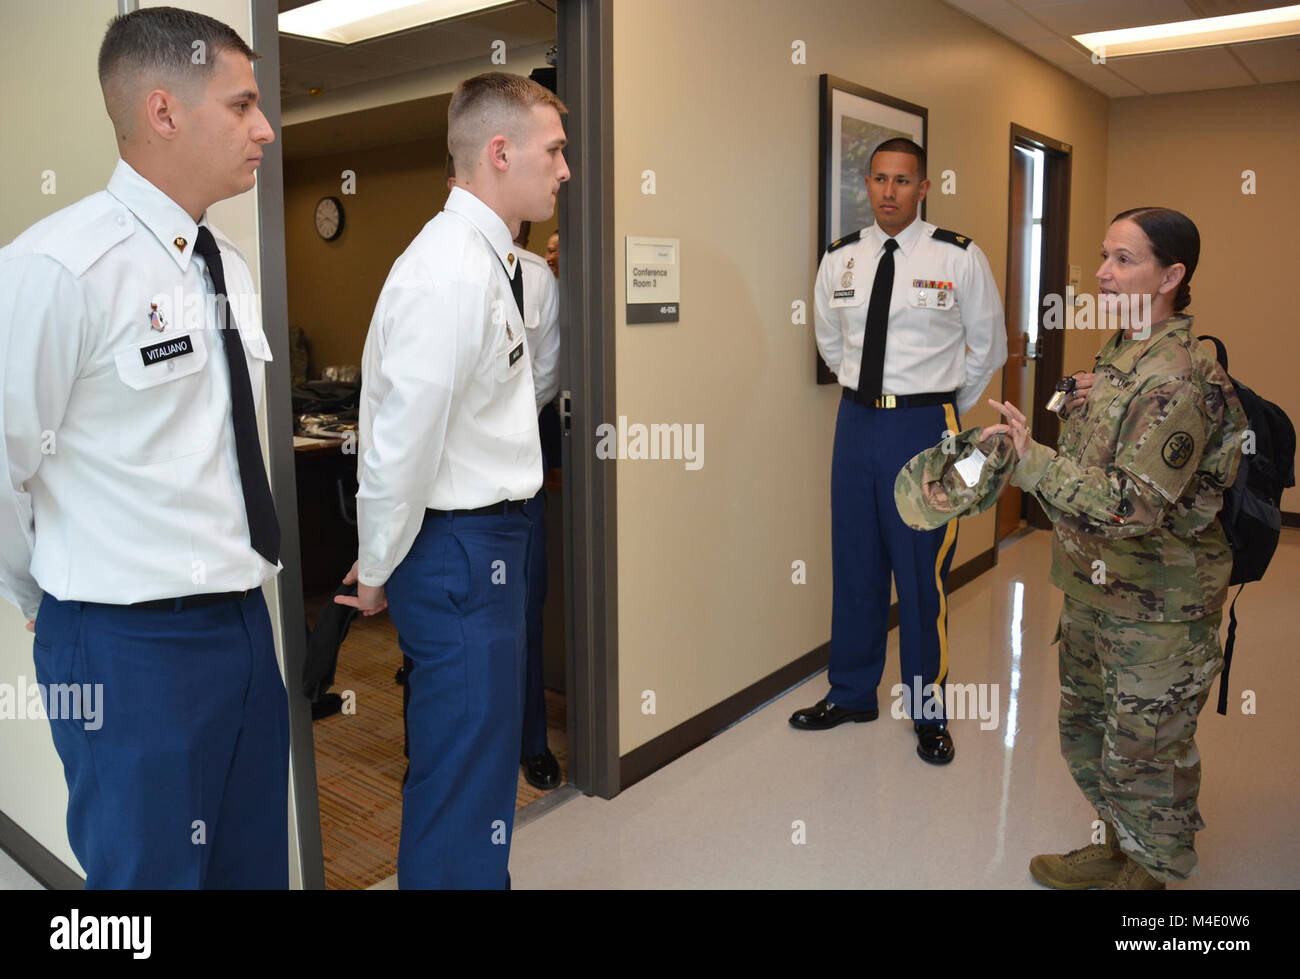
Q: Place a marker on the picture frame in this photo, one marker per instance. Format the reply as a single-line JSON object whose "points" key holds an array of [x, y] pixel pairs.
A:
{"points": [[854, 121]]}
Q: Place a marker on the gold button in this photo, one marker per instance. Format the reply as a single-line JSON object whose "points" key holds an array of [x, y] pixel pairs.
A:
{"points": [[179, 243], [511, 258]]}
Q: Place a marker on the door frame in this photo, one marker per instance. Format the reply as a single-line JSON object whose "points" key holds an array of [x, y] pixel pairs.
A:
{"points": [[1057, 159], [586, 84], [586, 221]]}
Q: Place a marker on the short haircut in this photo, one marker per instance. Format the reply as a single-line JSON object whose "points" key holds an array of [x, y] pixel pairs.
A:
{"points": [[1174, 240], [492, 104], [451, 167], [160, 47], [900, 144]]}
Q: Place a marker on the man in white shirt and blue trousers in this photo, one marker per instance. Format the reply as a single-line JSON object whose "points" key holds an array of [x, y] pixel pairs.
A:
{"points": [[136, 519], [909, 318], [449, 453], [541, 313]]}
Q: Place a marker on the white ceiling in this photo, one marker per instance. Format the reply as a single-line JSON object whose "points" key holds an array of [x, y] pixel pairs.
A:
{"points": [[306, 64], [1045, 28]]}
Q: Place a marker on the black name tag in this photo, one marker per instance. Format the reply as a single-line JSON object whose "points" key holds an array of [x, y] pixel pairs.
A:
{"points": [[844, 294], [516, 354], [156, 353]]}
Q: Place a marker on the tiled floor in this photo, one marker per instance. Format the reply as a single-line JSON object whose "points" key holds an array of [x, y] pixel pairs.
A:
{"points": [[874, 815]]}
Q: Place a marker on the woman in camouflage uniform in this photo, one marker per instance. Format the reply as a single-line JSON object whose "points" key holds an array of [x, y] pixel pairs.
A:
{"points": [[1133, 493]]}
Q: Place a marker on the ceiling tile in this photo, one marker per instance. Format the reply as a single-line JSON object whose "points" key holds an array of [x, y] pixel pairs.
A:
{"points": [[1182, 71], [1084, 16], [1069, 59], [295, 49], [1110, 84], [1271, 61], [517, 24], [1015, 23], [1059, 52], [1222, 8], [978, 8]]}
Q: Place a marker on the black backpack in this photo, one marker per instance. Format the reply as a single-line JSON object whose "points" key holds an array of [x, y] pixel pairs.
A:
{"points": [[1252, 505]]}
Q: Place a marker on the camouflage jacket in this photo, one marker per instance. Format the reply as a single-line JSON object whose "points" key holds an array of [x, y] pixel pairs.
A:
{"points": [[1135, 487]]}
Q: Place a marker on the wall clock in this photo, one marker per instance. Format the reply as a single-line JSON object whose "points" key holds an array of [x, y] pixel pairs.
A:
{"points": [[329, 218]]}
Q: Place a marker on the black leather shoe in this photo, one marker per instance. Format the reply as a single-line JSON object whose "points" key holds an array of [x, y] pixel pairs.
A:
{"points": [[821, 716], [934, 743], [542, 771]]}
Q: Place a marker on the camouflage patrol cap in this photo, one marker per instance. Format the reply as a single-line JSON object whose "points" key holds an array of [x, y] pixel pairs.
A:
{"points": [[950, 480]]}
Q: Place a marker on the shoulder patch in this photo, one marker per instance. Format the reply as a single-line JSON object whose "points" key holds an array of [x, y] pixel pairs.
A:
{"points": [[846, 240], [1171, 447], [951, 237]]}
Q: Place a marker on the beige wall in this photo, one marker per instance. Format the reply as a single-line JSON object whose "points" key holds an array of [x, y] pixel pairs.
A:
{"points": [[333, 285], [48, 64], [1188, 151], [705, 94], [59, 47]]}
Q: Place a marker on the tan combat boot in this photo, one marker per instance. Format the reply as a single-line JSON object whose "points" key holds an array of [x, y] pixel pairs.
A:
{"points": [[1090, 866], [1134, 877]]}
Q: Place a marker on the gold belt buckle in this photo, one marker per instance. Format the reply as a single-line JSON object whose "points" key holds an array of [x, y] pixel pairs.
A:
{"points": [[886, 401]]}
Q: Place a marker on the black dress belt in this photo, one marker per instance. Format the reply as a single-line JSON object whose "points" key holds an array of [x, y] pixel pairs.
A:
{"points": [[903, 400], [502, 508], [192, 601]]}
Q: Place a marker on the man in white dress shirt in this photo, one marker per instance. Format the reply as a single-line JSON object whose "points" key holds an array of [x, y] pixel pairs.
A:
{"points": [[449, 455], [136, 521], [542, 333], [913, 339]]}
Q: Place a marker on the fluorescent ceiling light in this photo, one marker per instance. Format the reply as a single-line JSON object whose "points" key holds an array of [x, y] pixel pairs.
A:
{"points": [[1256, 25], [349, 21]]}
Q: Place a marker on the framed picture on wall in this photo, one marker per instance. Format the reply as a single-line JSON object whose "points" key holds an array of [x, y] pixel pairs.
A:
{"points": [[854, 121]]}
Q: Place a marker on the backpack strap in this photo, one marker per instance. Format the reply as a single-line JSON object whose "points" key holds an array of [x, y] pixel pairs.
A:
{"points": [[1227, 653], [1220, 351]]}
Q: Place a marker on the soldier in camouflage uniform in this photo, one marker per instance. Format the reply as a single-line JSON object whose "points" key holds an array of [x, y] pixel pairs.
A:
{"points": [[1133, 493]]}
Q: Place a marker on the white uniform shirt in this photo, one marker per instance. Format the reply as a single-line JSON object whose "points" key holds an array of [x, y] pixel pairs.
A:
{"points": [[946, 329], [448, 415], [542, 325], [121, 480]]}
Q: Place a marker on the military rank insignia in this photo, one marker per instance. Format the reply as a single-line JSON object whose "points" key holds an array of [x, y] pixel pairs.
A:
{"points": [[156, 318]]}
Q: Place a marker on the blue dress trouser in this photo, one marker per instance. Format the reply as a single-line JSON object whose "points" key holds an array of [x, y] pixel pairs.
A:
{"points": [[869, 542], [534, 736], [181, 779], [457, 600]]}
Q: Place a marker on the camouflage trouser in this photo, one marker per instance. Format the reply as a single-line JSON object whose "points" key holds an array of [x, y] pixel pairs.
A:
{"points": [[1130, 695]]}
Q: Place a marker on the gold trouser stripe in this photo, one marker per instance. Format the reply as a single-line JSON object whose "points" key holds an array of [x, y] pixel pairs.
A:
{"points": [[949, 536]]}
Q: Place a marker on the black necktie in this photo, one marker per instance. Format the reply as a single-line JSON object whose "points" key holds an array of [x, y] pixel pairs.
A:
{"points": [[517, 286], [872, 373], [263, 528]]}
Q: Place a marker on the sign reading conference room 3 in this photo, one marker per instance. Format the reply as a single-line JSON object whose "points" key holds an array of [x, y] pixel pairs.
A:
{"points": [[654, 284]]}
